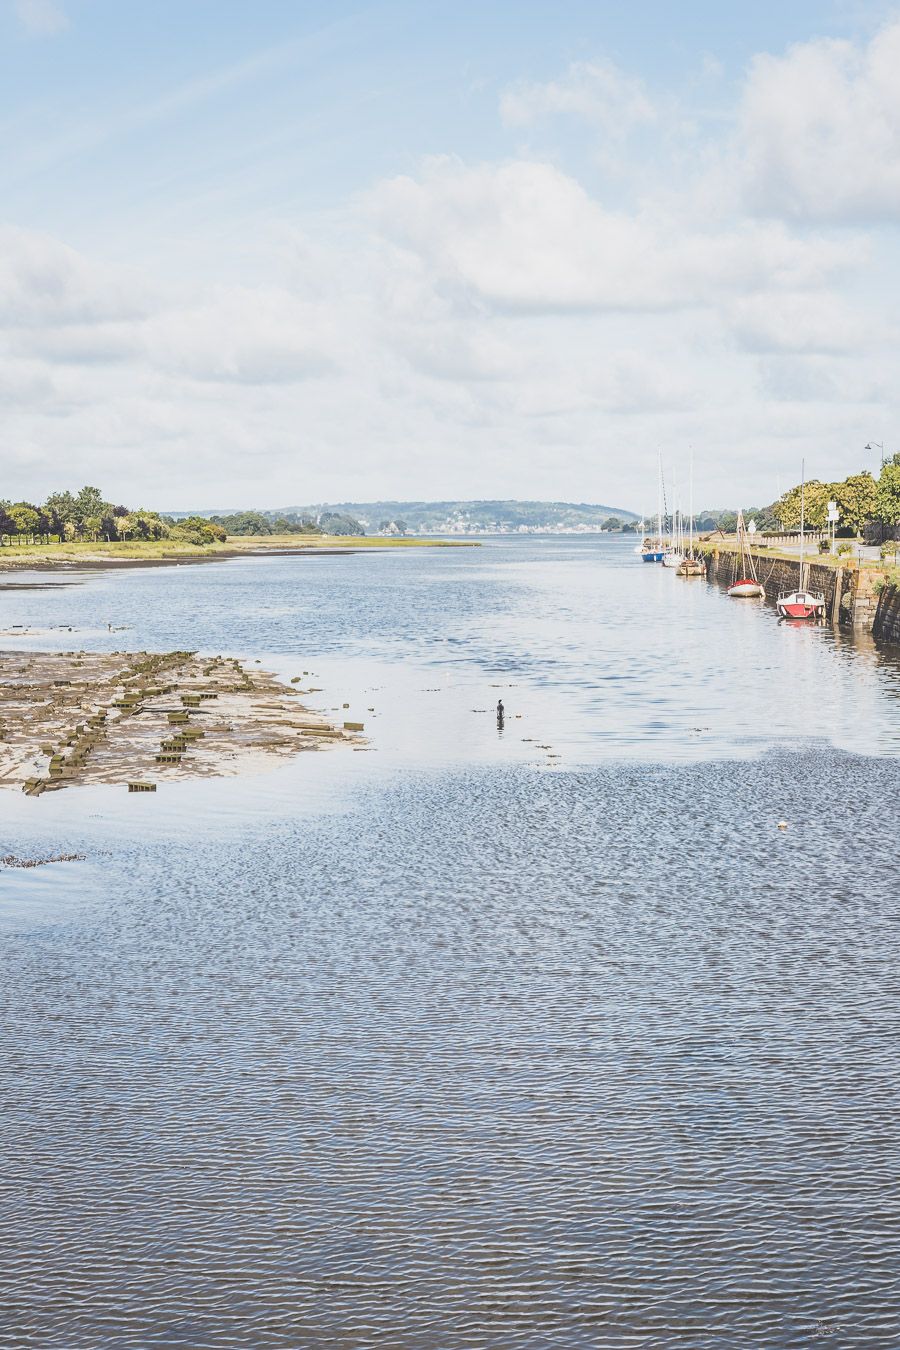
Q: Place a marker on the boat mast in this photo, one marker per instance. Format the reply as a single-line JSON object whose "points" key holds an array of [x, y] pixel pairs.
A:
{"points": [[802, 515], [659, 504], [691, 509], [676, 542]]}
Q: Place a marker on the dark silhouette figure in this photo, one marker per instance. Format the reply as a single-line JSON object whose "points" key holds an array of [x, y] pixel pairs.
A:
{"points": [[499, 714]]}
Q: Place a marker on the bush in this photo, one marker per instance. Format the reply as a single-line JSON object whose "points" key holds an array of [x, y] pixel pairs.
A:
{"points": [[844, 548], [196, 530]]}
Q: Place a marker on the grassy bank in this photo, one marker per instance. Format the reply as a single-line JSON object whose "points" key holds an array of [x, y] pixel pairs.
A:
{"points": [[123, 552], [730, 545]]}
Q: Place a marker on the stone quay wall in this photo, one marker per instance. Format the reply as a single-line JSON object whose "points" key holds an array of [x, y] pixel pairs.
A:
{"points": [[886, 624]]}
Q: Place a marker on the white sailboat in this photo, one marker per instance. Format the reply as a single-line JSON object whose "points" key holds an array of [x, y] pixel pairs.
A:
{"points": [[693, 565], [674, 554]]}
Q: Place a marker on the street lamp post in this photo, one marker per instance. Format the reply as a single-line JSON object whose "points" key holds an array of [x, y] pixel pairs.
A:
{"points": [[879, 446]]}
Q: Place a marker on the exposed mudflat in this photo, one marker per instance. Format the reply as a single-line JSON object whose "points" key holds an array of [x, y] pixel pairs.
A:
{"points": [[139, 718]]}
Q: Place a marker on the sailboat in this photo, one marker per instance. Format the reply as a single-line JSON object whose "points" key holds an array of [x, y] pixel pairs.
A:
{"points": [[748, 583], [801, 604], [652, 550], [692, 564], [674, 554]]}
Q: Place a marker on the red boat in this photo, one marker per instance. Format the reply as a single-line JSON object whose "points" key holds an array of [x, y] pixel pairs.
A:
{"points": [[801, 605], [748, 583]]}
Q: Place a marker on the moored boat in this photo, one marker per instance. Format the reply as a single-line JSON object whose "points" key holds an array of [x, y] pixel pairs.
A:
{"points": [[692, 564], [674, 554], [802, 603], [748, 585], [653, 550], [746, 589]]}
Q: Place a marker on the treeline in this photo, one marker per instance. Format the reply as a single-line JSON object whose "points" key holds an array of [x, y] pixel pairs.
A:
{"points": [[86, 515], [289, 522], [726, 521], [861, 499], [89, 517], [265, 522], [862, 502]]}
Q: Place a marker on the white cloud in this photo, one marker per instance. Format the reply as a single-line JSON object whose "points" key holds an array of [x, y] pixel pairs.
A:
{"points": [[526, 237], [819, 131], [472, 328], [44, 282], [819, 381], [41, 18], [596, 91], [256, 336], [803, 323]]}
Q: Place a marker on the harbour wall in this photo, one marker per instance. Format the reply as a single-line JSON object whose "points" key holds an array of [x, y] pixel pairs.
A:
{"points": [[886, 624]]}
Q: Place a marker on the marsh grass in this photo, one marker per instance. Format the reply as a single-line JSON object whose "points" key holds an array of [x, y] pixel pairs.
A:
{"points": [[150, 550]]}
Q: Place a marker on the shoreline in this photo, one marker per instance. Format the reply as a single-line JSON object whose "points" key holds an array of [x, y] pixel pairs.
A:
{"points": [[97, 557]]}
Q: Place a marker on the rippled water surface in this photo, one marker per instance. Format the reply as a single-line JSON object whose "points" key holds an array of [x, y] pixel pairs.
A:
{"points": [[546, 1037]]}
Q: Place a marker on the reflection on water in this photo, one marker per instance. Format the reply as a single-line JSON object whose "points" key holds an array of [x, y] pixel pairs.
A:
{"points": [[449, 1043]]}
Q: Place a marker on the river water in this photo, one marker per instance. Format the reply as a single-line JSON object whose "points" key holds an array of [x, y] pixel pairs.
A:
{"points": [[537, 1037]]}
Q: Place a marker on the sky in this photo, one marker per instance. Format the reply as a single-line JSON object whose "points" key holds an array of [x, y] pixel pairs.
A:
{"points": [[288, 252]]}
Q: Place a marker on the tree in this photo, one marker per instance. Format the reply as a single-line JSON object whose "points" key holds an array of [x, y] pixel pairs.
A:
{"points": [[243, 522], [856, 500], [816, 498], [25, 519], [60, 509], [108, 524], [332, 522], [612, 523], [887, 494], [89, 503], [199, 530]]}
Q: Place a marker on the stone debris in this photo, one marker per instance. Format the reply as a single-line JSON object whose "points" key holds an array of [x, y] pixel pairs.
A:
{"points": [[77, 718]]}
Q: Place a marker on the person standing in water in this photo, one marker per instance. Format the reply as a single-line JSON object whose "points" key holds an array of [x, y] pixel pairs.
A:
{"points": [[500, 714]]}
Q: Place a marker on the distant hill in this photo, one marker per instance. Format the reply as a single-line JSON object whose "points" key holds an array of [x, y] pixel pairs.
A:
{"points": [[462, 517]]}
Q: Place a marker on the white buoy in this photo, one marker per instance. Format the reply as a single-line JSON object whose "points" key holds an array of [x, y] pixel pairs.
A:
{"points": [[782, 825]]}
